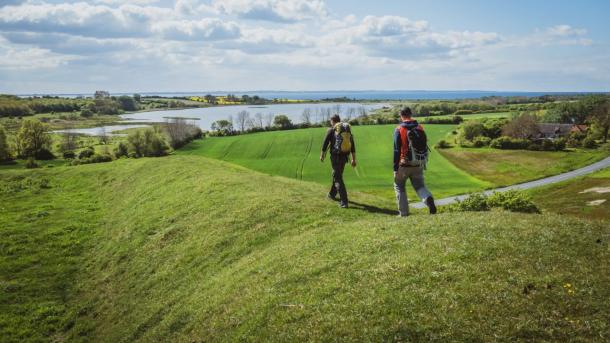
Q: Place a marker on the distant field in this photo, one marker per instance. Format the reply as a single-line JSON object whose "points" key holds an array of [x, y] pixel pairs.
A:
{"points": [[296, 153], [507, 167], [475, 116]]}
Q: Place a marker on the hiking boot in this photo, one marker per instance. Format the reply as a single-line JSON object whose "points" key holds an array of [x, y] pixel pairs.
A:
{"points": [[343, 205], [431, 205]]}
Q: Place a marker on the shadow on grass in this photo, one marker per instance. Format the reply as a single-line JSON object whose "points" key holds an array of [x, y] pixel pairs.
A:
{"points": [[372, 209]]}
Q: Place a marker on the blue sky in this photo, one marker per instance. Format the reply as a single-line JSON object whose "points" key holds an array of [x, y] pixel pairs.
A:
{"points": [[50, 46]]}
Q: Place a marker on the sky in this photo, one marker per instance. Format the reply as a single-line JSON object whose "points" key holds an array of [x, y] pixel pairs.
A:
{"points": [[50, 46]]}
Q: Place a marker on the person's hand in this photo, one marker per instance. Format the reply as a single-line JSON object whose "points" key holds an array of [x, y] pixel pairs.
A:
{"points": [[322, 157], [353, 163], [394, 174]]}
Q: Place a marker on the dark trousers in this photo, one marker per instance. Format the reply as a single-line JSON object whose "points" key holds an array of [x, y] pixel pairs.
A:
{"points": [[338, 162]]}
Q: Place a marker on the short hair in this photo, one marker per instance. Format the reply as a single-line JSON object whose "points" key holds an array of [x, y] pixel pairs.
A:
{"points": [[406, 112], [335, 118]]}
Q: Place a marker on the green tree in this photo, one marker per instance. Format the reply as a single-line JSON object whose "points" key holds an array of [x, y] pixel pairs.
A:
{"points": [[137, 97], [5, 153], [599, 114], [32, 138], [127, 103], [282, 122], [472, 129]]}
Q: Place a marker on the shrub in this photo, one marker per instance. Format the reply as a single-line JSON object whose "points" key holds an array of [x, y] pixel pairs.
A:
{"points": [[575, 139], [560, 144], [69, 155], [147, 143], [5, 153], [86, 153], [31, 163], [481, 141], [509, 143], [547, 145], [442, 144], [86, 113], [96, 158], [589, 143], [514, 201], [472, 129], [44, 154], [475, 202], [121, 150]]}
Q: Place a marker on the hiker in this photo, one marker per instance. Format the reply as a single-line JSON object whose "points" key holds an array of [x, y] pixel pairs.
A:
{"points": [[410, 157], [341, 143]]}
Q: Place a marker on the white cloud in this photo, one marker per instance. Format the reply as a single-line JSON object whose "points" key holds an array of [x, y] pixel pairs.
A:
{"points": [[273, 10], [204, 29], [565, 31]]}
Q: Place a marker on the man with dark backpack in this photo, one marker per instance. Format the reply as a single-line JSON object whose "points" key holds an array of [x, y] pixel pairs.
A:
{"points": [[410, 158], [340, 140]]}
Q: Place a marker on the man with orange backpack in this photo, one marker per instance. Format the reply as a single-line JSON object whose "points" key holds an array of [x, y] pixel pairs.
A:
{"points": [[341, 142], [410, 158]]}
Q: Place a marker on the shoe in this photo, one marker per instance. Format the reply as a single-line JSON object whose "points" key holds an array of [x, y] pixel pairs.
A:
{"points": [[343, 205], [431, 205], [330, 197]]}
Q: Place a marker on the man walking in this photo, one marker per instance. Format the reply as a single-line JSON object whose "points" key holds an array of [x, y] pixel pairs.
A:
{"points": [[341, 143], [410, 155]]}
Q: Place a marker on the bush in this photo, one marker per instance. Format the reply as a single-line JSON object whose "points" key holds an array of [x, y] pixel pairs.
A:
{"points": [[96, 158], [5, 154], [86, 113], [442, 144], [44, 154], [31, 163], [547, 145], [575, 139], [121, 150], [475, 202], [69, 155], [509, 143], [147, 143], [514, 201], [589, 143], [481, 141], [472, 129], [86, 153], [560, 144]]}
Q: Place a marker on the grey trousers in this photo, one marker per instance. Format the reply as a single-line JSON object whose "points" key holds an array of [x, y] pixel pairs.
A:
{"points": [[416, 175]]}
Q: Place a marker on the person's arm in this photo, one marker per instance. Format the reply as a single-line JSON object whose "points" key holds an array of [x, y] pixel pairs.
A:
{"points": [[397, 146], [326, 144]]}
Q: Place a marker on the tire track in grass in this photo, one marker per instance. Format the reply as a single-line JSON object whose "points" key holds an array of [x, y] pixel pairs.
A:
{"points": [[299, 175], [228, 149], [268, 148]]}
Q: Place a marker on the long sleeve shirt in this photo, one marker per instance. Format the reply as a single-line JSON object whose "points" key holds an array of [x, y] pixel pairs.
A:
{"points": [[408, 124], [329, 141]]}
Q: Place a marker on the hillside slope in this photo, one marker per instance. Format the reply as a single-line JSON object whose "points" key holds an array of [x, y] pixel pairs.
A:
{"points": [[186, 248]]}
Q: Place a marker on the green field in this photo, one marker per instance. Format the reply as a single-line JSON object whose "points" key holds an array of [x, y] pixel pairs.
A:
{"points": [[295, 154], [473, 116], [586, 197], [190, 249], [508, 167]]}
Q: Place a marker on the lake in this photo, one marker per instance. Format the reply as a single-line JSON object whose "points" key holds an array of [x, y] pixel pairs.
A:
{"points": [[204, 117]]}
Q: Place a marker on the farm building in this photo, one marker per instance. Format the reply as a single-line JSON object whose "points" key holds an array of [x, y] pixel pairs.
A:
{"points": [[553, 130]]}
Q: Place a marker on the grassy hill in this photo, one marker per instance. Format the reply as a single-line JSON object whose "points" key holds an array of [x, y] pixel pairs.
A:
{"points": [[186, 248], [295, 154]]}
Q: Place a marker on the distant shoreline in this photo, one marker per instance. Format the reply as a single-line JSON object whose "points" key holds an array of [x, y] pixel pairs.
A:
{"points": [[356, 95]]}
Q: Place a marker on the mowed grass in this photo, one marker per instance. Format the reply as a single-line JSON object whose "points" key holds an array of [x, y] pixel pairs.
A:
{"points": [[586, 197], [507, 167], [295, 154], [190, 249]]}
